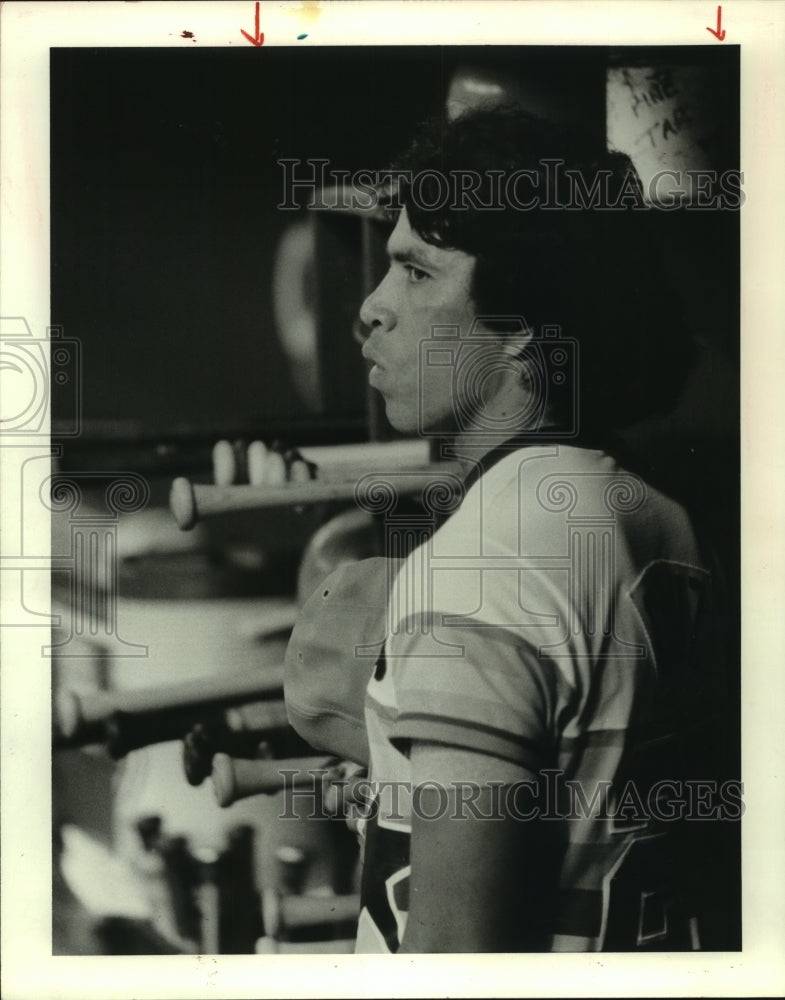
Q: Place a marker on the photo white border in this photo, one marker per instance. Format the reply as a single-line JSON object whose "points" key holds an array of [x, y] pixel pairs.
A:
{"points": [[27, 30]]}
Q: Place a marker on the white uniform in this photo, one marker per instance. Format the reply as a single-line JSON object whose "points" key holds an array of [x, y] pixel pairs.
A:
{"points": [[558, 620]]}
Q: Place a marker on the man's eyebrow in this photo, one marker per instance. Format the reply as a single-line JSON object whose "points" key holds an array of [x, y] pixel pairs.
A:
{"points": [[412, 255]]}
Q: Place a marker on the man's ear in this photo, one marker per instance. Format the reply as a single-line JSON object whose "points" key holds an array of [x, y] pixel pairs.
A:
{"points": [[515, 344], [514, 347], [512, 333]]}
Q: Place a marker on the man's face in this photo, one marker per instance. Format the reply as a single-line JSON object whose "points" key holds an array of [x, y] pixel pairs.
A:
{"points": [[424, 287]]}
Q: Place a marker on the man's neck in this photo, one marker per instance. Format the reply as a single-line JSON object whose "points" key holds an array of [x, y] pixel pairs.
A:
{"points": [[510, 414]]}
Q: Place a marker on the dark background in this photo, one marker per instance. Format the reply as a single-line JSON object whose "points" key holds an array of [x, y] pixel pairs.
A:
{"points": [[164, 227], [164, 189]]}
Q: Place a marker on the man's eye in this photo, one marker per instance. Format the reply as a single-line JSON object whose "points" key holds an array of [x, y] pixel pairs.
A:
{"points": [[415, 275]]}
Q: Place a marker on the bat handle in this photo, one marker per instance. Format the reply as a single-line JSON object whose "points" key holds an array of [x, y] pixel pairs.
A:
{"points": [[326, 916], [235, 779]]}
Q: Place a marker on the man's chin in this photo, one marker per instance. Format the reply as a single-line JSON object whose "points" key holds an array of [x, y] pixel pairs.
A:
{"points": [[416, 424], [403, 425], [399, 418]]}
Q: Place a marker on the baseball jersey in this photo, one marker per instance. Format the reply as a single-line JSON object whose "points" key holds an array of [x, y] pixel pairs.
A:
{"points": [[559, 619]]}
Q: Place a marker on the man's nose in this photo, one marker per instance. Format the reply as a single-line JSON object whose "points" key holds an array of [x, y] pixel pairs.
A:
{"points": [[377, 311]]}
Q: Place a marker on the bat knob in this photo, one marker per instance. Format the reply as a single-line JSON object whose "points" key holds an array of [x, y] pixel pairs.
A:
{"points": [[182, 503], [198, 753], [224, 783], [67, 714]]}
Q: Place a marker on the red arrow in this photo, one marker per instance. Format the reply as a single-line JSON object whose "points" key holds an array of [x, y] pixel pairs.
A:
{"points": [[719, 34], [257, 39]]}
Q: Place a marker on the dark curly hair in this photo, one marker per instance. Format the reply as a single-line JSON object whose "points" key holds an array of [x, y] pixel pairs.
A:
{"points": [[596, 268]]}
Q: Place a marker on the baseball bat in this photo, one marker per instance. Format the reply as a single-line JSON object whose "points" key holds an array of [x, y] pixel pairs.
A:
{"points": [[258, 717], [82, 717], [339, 471], [295, 913], [258, 729], [205, 740], [235, 779], [268, 722]]}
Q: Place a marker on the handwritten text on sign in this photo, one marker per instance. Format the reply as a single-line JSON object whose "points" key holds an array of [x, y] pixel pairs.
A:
{"points": [[661, 116]]}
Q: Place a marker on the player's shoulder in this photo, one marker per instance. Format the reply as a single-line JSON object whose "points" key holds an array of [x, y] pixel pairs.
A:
{"points": [[560, 484], [534, 463], [561, 479]]}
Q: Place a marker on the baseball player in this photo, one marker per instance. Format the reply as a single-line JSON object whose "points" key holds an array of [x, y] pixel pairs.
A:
{"points": [[541, 722]]}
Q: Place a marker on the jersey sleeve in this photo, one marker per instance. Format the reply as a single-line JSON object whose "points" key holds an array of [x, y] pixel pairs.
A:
{"points": [[491, 693]]}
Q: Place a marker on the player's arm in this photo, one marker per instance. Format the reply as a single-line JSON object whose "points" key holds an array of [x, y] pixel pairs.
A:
{"points": [[468, 873]]}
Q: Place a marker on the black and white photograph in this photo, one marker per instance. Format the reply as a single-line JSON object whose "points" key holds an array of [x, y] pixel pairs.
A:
{"points": [[378, 466]]}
